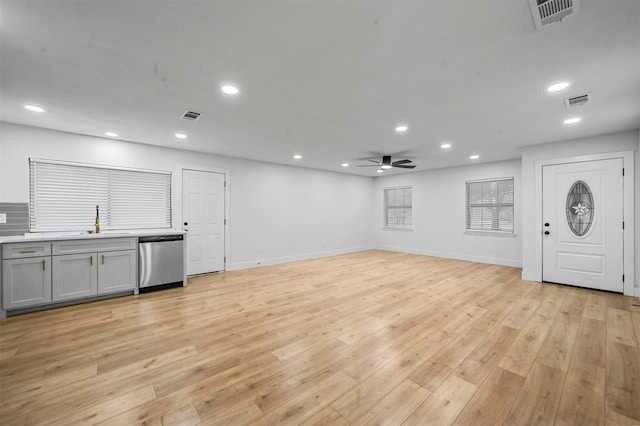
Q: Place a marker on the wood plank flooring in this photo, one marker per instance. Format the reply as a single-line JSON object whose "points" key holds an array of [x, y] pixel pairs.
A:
{"points": [[367, 338]]}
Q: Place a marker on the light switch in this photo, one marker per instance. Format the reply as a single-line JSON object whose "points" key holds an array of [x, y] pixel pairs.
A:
{"points": [[3, 218]]}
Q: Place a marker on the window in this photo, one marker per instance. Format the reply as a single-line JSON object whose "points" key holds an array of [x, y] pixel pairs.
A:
{"points": [[63, 197], [397, 207], [490, 205]]}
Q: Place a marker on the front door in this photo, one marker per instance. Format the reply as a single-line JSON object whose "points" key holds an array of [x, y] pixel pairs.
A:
{"points": [[203, 219], [582, 227]]}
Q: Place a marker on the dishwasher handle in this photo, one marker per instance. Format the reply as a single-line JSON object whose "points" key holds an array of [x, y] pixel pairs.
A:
{"points": [[160, 238]]}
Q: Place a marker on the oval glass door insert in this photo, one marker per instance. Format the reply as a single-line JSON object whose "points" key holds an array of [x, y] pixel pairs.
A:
{"points": [[580, 208]]}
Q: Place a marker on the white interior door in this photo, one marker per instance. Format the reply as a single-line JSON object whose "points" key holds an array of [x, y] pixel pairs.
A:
{"points": [[203, 219], [582, 211]]}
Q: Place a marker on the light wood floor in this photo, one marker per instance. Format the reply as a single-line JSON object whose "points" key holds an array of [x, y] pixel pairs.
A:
{"points": [[366, 338]]}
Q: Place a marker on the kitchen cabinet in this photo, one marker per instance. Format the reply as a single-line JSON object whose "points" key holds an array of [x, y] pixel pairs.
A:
{"points": [[40, 272], [74, 276], [26, 274], [26, 282], [117, 271], [93, 267]]}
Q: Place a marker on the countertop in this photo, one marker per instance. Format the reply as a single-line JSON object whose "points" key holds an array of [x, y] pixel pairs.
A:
{"points": [[60, 236]]}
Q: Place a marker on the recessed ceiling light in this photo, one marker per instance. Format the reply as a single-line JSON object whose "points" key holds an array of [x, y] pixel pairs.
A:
{"points": [[445, 146], [558, 86], [474, 157], [181, 136], [111, 134], [297, 156], [229, 89], [572, 120], [34, 108], [380, 170], [345, 164], [402, 128]]}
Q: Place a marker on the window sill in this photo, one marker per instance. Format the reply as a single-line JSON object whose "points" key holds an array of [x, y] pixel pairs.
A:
{"points": [[393, 228], [491, 234]]}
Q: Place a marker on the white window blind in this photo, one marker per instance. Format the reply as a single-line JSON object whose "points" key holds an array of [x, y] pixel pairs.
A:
{"points": [[64, 196], [490, 205], [398, 207]]}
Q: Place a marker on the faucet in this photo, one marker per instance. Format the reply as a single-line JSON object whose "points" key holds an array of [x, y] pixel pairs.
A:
{"points": [[97, 219]]}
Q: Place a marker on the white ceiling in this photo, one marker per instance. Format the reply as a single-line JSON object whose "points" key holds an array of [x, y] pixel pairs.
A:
{"points": [[329, 80]]}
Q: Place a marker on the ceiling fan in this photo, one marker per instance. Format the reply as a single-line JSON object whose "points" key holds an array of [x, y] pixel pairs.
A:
{"points": [[386, 163]]}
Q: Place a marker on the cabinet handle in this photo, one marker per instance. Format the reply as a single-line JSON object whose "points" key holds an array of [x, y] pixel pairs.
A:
{"points": [[91, 260], [44, 265], [103, 259], [27, 251]]}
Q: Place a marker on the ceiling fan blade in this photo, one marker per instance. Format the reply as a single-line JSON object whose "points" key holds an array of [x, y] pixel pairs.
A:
{"points": [[401, 162], [367, 165], [402, 166], [374, 161]]}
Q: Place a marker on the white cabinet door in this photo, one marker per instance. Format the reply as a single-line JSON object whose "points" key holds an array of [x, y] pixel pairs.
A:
{"points": [[75, 276], [116, 271], [26, 282]]}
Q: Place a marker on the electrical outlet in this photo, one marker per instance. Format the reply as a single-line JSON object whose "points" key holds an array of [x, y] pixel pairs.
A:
{"points": [[3, 218]]}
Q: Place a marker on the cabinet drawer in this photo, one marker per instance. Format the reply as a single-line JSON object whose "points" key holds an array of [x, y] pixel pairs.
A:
{"points": [[93, 245], [19, 250]]}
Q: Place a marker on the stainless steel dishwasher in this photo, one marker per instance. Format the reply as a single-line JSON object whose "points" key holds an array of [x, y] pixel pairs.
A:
{"points": [[160, 261]]}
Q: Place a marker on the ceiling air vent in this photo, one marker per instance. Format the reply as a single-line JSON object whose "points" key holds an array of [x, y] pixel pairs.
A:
{"points": [[190, 115], [577, 101], [550, 11]]}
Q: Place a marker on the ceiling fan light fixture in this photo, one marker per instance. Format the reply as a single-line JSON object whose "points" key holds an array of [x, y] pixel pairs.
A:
{"points": [[385, 166]]}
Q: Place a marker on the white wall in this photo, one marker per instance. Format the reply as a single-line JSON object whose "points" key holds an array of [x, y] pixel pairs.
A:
{"points": [[277, 213], [439, 215], [614, 142], [282, 213]]}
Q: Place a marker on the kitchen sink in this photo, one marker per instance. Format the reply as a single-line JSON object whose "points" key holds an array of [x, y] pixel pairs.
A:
{"points": [[75, 234]]}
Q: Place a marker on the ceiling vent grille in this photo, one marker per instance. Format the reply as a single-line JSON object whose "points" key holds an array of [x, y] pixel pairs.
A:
{"points": [[549, 11], [577, 101], [190, 115]]}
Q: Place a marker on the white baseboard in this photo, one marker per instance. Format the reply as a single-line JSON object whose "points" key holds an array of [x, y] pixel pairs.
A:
{"points": [[457, 256], [530, 276], [294, 258]]}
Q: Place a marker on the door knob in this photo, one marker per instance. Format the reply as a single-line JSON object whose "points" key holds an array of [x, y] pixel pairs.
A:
{"points": [[546, 232], [185, 224], [546, 224]]}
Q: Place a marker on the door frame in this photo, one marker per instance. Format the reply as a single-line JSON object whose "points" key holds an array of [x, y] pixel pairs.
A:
{"points": [[176, 204], [628, 213]]}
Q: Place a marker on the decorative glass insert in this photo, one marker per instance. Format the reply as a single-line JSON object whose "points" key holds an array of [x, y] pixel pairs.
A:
{"points": [[580, 208]]}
